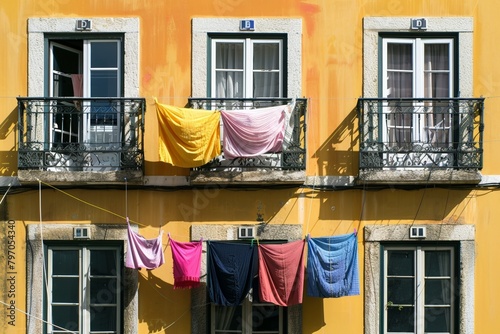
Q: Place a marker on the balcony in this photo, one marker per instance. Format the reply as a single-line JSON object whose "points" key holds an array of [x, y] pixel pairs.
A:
{"points": [[284, 167], [420, 140], [80, 140]]}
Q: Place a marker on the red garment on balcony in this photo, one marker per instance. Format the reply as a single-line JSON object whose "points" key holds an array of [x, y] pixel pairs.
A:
{"points": [[281, 273], [253, 132], [188, 137], [186, 257]]}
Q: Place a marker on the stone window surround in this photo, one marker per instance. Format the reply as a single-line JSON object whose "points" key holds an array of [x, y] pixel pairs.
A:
{"points": [[202, 27], [373, 26], [35, 258], [375, 235], [199, 296], [38, 27]]}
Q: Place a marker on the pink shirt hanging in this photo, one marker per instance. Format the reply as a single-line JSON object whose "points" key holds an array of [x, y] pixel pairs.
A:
{"points": [[143, 253], [187, 263]]}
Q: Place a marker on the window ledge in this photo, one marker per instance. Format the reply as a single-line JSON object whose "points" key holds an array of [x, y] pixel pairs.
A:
{"points": [[260, 177], [413, 176], [27, 177]]}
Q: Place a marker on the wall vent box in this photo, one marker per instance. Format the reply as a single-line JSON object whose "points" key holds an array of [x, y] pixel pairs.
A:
{"points": [[83, 25], [245, 232], [81, 233], [417, 232]]}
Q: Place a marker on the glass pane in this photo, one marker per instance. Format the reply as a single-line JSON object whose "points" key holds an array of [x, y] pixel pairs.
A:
{"points": [[437, 319], [266, 84], [103, 318], [400, 262], [266, 56], [103, 113], [229, 84], [65, 317], [65, 289], [437, 264], [103, 262], [104, 83], [228, 317], [437, 84], [437, 57], [400, 290], [104, 54], [65, 262], [65, 61], [399, 84], [400, 319], [399, 56], [229, 56], [437, 292], [265, 318], [103, 290]]}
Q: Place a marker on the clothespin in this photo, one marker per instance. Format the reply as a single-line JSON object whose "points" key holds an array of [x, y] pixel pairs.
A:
{"points": [[355, 232]]}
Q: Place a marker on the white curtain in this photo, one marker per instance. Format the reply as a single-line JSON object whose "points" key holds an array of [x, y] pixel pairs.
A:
{"points": [[400, 85], [230, 69], [436, 81], [411, 122], [229, 74]]}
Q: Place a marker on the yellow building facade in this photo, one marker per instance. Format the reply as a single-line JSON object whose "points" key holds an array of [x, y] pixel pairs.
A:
{"points": [[388, 133]]}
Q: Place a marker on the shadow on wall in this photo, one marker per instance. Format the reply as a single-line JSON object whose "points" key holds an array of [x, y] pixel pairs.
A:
{"points": [[8, 159], [164, 310], [332, 161]]}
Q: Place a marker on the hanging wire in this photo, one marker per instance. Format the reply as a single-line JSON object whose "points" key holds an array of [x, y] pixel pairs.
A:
{"points": [[3, 197], [40, 319]]}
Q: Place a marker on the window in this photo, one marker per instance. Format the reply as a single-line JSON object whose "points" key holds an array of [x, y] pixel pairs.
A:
{"points": [[417, 68], [250, 65], [83, 96], [415, 286], [247, 68], [419, 290], [84, 289], [248, 318], [85, 68]]}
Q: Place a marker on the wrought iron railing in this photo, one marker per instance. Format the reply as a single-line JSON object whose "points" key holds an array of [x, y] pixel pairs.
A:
{"points": [[421, 133], [81, 134], [293, 154]]}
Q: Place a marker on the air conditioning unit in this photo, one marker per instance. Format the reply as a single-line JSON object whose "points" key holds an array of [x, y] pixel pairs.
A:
{"points": [[246, 232], [81, 233]]}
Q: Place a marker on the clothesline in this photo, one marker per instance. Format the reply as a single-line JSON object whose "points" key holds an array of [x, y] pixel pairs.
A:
{"points": [[231, 267]]}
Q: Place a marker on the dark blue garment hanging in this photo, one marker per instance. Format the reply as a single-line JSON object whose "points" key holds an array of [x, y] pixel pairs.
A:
{"points": [[231, 268]]}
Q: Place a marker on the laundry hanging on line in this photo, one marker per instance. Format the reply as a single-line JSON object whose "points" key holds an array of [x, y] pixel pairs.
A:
{"points": [[142, 252]]}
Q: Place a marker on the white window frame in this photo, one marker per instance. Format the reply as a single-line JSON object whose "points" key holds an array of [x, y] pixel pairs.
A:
{"points": [[248, 69], [38, 28], [419, 285], [37, 236], [373, 26], [419, 130], [377, 235], [289, 27], [85, 300]]}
